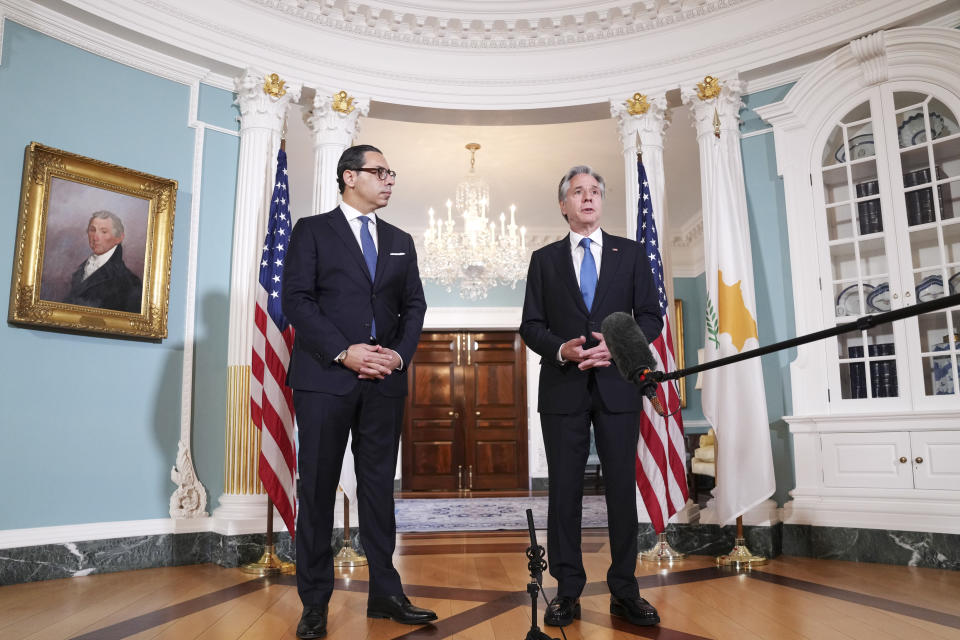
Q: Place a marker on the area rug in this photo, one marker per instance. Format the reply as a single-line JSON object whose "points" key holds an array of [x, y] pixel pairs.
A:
{"points": [[486, 514]]}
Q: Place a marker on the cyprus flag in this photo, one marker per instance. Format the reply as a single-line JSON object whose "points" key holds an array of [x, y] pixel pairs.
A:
{"points": [[733, 396]]}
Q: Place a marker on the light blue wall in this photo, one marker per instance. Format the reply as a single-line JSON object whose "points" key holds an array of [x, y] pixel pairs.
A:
{"points": [[90, 423], [500, 296], [771, 268], [693, 293]]}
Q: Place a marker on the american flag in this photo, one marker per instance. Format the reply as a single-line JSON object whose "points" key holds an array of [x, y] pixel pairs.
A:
{"points": [[271, 400], [661, 454]]}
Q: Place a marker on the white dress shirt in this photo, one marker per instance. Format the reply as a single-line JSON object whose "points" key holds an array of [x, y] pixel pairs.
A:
{"points": [[353, 219], [576, 251], [576, 254]]}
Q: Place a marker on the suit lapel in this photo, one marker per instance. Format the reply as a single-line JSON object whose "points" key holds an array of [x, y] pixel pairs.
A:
{"points": [[384, 242], [342, 228], [609, 263], [564, 264]]}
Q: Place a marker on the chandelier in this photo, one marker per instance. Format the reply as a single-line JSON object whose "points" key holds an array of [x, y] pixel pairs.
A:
{"points": [[480, 256]]}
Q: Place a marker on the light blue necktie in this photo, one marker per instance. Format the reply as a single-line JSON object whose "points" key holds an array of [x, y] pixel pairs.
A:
{"points": [[370, 256], [588, 274]]}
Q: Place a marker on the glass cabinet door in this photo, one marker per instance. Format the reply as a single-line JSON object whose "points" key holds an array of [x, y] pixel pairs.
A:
{"points": [[890, 174], [858, 254], [928, 146]]}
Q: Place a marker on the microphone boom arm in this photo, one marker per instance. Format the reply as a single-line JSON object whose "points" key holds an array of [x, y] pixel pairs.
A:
{"points": [[860, 324]]}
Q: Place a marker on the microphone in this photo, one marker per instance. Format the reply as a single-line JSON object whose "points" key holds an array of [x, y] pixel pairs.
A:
{"points": [[631, 352], [535, 552]]}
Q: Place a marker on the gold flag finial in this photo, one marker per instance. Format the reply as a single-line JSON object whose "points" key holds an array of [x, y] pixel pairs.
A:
{"points": [[638, 105], [716, 123], [342, 102], [709, 88], [273, 86]]}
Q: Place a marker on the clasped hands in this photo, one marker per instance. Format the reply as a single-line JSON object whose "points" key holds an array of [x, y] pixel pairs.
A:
{"points": [[371, 362], [598, 356]]}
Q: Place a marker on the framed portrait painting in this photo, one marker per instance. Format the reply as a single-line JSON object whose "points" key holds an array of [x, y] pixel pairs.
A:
{"points": [[93, 248]]}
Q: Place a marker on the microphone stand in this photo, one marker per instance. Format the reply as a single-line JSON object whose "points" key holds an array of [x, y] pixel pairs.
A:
{"points": [[536, 565], [860, 324]]}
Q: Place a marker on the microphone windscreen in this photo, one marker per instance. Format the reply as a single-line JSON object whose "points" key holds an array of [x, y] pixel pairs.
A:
{"points": [[627, 345]]}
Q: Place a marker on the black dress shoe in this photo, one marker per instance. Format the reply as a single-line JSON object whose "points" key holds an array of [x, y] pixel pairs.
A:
{"points": [[636, 610], [561, 611], [313, 623], [398, 609]]}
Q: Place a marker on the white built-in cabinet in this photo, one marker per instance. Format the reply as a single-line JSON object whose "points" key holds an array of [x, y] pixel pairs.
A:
{"points": [[868, 144]]}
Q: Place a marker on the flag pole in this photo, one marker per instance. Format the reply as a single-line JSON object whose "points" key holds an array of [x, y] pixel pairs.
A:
{"points": [[348, 556], [740, 557], [269, 563], [661, 552]]}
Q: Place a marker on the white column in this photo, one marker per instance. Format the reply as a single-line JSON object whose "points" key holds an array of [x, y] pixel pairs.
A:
{"points": [[645, 117], [263, 100], [648, 122], [334, 121]]}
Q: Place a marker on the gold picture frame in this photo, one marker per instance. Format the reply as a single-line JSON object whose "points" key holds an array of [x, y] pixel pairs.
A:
{"points": [[94, 245], [678, 338]]}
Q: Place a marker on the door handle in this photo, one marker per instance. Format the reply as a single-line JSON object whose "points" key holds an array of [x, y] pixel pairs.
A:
{"points": [[918, 460], [470, 477], [903, 459], [459, 477], [478, 413]]}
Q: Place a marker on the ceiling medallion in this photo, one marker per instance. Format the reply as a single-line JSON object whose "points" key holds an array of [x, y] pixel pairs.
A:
{"points": [[342, 103], [709, 88], [638, 105], [273, 86]]}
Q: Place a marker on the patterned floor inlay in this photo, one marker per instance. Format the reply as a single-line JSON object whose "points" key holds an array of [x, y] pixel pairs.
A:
{"points": [[490, 603]]}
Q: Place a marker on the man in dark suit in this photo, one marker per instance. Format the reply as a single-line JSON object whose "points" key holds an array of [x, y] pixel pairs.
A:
{"points": [[103, 280], [572, 285], [352, 291]]}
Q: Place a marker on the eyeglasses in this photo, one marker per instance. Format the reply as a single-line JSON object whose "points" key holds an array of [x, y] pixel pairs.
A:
{"points": [[380, 171]]}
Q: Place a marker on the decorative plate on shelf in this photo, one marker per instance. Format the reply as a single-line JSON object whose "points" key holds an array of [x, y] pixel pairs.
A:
{"points": [[930, 288], [861, 146], [912, 130], [878, 300], [954, 283], [848, 302]]}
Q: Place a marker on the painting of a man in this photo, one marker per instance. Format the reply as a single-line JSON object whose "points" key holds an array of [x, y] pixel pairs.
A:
{"points": [[103, 280], [94, 247]]}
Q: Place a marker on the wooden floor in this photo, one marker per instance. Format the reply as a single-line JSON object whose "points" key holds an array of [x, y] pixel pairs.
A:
{"points": [[477, 584]]}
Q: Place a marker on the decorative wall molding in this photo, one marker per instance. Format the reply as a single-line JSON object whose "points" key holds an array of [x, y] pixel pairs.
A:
{"points": [[690, 235], [498, 24], [686, 249], [870, 53], [395, 59], [14, 538], [440, 318]]}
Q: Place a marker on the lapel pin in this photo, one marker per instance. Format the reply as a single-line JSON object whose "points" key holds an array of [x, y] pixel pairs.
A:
{"points": [[614, 249]]}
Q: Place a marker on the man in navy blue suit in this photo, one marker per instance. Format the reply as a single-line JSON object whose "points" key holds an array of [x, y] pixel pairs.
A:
{"points": [[572, 285], [352, 291]]}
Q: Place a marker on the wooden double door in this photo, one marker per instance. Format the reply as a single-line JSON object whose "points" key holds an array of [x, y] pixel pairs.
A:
{"points": [[465, 423]]}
